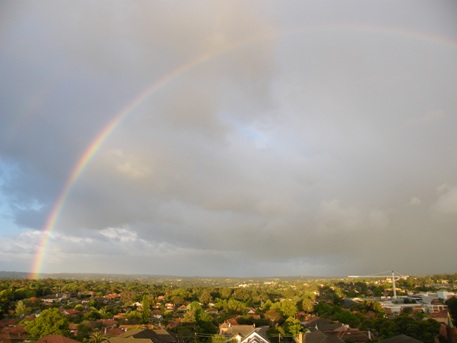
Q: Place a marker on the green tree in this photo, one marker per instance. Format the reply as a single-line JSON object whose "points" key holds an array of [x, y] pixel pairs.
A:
{"points": [[287, 308], [272, 315], [146, 314], [225, 293], [235, 306], [292, 326], [22, 309], [307, 305], [218, 339], [267, 305], [205, 297], [92, 315], [84, 331], [134, 317], [97, 337], [49, 322]]}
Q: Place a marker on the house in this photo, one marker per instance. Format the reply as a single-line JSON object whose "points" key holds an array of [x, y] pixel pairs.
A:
{"points": [[71, 312], [253, 337], [73, 329], [173, 323], [13, 334], [56, 339], [119, 316], [442, 316], [212, 310], [144, 336], [323, 324], [318, 337], [352, 335], [54, 298], [401, 339], [182, 308], [112, 332], [251, 311], [112, 297], [157, 314], [244, 333]]}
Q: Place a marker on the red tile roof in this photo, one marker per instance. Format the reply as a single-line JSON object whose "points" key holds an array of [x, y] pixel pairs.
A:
{"points": [[56, 339]]}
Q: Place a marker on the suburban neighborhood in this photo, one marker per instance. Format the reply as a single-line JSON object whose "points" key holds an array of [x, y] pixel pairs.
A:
{"points": [[312, 310]]}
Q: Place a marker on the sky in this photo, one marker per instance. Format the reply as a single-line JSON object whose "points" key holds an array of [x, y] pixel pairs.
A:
{"points": [[228, 138]]}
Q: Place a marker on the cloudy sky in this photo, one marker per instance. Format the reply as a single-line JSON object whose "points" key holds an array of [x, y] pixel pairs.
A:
{"points": [[253, 138]]}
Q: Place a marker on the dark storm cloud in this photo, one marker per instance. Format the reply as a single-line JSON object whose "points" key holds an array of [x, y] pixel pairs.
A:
{"points": [[310, 141]]}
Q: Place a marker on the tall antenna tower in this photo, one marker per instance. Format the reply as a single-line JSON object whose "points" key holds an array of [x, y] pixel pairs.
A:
{"points": [[380, 275]]}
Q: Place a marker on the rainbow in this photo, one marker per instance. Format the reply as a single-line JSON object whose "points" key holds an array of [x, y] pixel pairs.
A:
{"points": [[101, 137], [180, 70]]}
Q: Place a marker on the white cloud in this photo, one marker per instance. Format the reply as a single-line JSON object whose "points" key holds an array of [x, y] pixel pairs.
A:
{"points": [[447, 202], [414, 201]]}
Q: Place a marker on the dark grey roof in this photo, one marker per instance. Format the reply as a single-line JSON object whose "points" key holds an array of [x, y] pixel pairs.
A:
{"points": [[320, 337], [401, 339], [323, 324], [142, 335]]}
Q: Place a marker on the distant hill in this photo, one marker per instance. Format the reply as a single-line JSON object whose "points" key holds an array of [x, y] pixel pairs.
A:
{"points": [[162, 279], [13, 275]]}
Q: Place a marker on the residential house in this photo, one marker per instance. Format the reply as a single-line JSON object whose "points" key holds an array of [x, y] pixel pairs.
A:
{"points": [[350, 335], [253, 337], [145, 336], [212, 310], [401, 339], [13, 334], [111, 332], [73, 327], [441, 316], [244, 333], [71, 312], [317, 337], [182, 308], [112, 297], [53, 298], [323, 324], [56, 339]]}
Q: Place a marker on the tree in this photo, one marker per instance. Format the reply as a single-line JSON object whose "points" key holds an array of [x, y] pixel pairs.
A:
{"points": [[218, 339], [225, 293], [235, 306], [307, 305], [288, 308], [205, 296], [134, 317], [49, 322], [292, 326], [374, 306], [146, 314], [22, 309], [267, 305], [97, 337], [84, 331], [272, 315], [92, 315]]}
